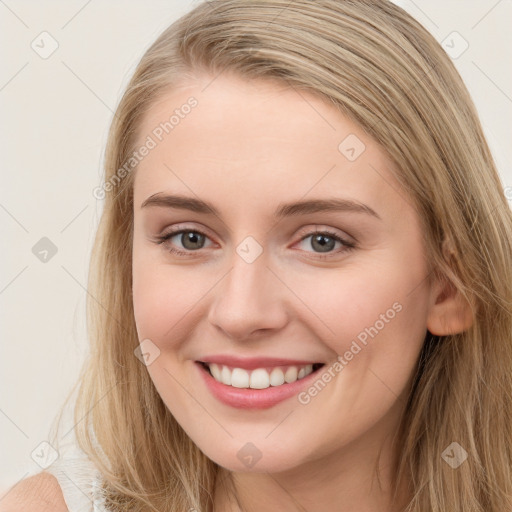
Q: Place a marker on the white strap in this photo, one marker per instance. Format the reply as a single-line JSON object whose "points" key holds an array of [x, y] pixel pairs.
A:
{"points": [[79, 480]]}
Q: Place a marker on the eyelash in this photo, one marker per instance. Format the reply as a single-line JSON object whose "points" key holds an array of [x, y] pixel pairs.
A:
{"points": [[348, 246]]}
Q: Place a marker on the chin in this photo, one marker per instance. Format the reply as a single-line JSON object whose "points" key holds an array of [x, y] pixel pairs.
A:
{"points": [[249, 457]]}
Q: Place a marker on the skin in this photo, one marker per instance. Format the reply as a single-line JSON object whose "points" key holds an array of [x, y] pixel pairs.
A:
{"points": [[247, 147]]}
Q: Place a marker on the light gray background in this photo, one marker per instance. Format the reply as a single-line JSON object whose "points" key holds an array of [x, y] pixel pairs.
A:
{"points": [[55, 115]]}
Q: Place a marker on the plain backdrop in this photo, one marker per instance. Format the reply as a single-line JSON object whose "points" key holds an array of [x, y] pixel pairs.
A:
{"points": [[56, 110]]}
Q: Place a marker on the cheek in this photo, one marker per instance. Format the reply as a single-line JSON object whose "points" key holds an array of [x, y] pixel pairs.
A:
{"points": [[374, 319], [349, 301], [165, 298]]}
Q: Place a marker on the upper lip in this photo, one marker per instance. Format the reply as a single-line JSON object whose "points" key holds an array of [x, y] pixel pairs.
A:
{"points": [[251, 363]]}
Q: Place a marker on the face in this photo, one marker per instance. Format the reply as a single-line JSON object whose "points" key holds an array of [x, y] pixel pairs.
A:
{"points": [[252, 282]]}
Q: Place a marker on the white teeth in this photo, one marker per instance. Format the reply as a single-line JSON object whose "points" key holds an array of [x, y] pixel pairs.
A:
{"points": [[225, 376], [216, 372], [276, 377], [291, 374], [239, 378], [259, 378]]}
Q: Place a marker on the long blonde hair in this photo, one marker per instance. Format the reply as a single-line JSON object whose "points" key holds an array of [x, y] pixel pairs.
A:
{"points": [[378, 66]]}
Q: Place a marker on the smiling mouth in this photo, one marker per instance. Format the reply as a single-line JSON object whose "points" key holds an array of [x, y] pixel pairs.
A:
{"points": [[259, 378]]}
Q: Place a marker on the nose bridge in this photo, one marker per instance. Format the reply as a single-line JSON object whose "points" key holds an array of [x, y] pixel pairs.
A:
{"points": [[248, 298], [247, 280]]}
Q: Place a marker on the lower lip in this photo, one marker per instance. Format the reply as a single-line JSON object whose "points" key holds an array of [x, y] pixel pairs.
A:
{"points": [[248, 398]]}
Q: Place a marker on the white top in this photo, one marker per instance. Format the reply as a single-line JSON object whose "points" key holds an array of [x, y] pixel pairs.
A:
{"points": [[79, 480]]}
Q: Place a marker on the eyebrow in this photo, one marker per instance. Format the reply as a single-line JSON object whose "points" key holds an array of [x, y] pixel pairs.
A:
{"points": [[283, 210]]}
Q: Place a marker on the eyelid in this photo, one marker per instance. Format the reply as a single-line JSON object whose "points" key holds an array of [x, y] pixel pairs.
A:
{"points": [[321, 228], [177, 228]]}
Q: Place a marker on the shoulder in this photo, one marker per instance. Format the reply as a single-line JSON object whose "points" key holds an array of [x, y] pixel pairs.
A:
{"points": [[38, 493]]}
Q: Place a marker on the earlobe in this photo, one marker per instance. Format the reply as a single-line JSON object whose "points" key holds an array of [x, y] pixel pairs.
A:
{"points": [[450, 313]]}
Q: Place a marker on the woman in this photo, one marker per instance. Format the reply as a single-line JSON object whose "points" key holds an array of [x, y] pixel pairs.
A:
{"points": [[340, 337]]}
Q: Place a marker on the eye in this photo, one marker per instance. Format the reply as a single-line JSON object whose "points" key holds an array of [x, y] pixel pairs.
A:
{"points": [[325, 241], [191, 240]]}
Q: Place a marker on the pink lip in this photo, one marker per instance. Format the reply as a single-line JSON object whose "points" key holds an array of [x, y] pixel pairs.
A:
{"points": [[247, 398], [251, 363]]}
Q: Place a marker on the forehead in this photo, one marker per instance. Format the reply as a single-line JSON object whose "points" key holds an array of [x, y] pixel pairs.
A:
{"points": [[258, 142]]}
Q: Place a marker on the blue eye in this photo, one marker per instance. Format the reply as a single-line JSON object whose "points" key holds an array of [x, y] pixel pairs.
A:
{"points": [[324, 240]]}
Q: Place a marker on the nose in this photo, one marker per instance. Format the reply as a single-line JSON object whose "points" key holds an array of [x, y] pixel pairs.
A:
{"points": [[249, 301]]}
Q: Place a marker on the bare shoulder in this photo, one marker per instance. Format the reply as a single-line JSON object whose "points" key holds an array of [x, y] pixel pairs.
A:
{"points": [[38, 493]]}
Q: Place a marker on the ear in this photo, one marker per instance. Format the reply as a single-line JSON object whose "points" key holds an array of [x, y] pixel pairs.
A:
{"points": [[449, 312]]}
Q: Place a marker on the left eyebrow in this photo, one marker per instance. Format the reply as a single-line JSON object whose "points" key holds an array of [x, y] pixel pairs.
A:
{"points": [[283, 210], [323, 205]]}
